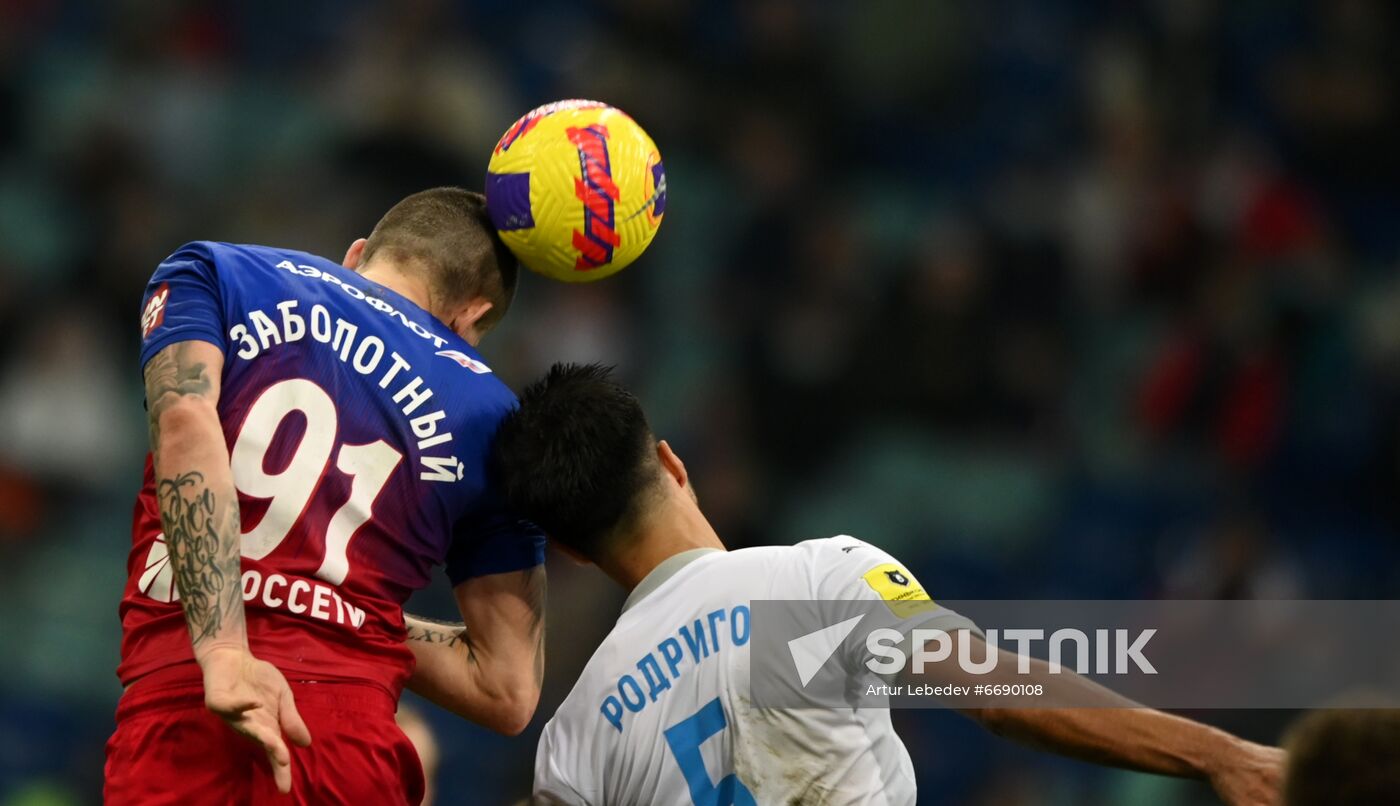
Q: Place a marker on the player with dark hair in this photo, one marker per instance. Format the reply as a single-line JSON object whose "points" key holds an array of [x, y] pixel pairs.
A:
{"points": [[1344, 758], [579, 459], [319, 441]]}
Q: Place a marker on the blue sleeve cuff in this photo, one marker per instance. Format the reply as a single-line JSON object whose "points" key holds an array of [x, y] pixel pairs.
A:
{"points": [[499, 546]]}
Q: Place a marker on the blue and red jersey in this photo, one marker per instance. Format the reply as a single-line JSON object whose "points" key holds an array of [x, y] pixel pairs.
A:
{"points": [[358, 429]]}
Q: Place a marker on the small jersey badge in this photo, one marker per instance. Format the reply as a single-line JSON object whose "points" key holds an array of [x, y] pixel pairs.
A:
{"points": [[154, 314], [903, 594], [465, 361]]}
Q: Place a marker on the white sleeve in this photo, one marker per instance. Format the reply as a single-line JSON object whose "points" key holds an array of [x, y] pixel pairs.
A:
{"points": [[551, 786], [846, 569], [849, 574]]}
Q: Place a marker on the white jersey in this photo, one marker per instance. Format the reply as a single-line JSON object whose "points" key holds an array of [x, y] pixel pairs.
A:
{"points": [[662, 713]]}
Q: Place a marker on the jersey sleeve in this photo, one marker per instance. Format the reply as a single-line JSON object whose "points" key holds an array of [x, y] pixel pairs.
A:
{"points": [[851, 571], [846, 568], [493, 542], [183, 302]]}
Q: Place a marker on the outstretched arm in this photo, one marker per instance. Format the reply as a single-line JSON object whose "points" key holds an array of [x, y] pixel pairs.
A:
{"points": [[1143, 739], [199, 513], [488, 668], [1106, 728]]}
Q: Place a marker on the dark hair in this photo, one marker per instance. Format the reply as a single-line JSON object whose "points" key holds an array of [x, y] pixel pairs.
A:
{"points": [[447, 231], [577, 457], [1344, 758]]}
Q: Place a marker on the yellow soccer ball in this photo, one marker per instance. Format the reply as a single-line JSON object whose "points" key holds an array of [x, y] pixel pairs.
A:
{"points": [[576, 190]]}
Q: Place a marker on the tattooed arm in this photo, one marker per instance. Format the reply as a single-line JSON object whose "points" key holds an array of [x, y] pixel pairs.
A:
{"points": [[199, 512], [194, 488], [489, 667]]}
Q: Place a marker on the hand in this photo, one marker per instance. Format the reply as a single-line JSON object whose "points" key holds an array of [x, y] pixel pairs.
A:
{"points": [[1249, 775], [254, 699]]}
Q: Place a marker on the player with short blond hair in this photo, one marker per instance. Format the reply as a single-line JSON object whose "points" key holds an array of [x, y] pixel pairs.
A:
{"points": [[319, 439]]}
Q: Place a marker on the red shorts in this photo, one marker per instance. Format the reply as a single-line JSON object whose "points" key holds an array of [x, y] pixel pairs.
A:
{"points": [[169, 749]]}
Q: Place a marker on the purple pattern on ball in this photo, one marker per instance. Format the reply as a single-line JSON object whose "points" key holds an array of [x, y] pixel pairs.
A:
{"points": [[658, 181], [508, 201]]}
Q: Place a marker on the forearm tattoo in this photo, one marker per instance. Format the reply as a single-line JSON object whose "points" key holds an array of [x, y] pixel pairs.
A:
{"points": [[202, 532], [204, 553]]}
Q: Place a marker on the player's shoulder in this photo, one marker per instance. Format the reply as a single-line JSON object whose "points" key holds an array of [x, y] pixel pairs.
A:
{"points": [[205, 250], [492, 399], [222, 254], [840, 549], [800, 570], [831, 563], [822, 551], [574, 720]]}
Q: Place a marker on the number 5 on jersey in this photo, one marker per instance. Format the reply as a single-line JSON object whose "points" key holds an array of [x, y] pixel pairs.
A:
{"points": [[685, 738]]}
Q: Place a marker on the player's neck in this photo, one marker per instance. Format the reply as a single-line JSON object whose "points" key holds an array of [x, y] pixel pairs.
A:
{"points": [[667, 532], [413, 288]]}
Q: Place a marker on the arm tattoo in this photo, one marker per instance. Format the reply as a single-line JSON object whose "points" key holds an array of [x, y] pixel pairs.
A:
{"points": [[170, 376], [206, 564], [446, 633], [201, 531]]}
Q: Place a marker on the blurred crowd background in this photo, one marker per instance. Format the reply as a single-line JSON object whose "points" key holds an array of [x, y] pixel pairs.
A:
{"points": [[1050, 299]]}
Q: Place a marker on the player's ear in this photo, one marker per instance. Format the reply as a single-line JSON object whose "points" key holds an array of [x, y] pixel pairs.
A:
{"points": [[464, 323], [672, 463], [354, 253]]}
